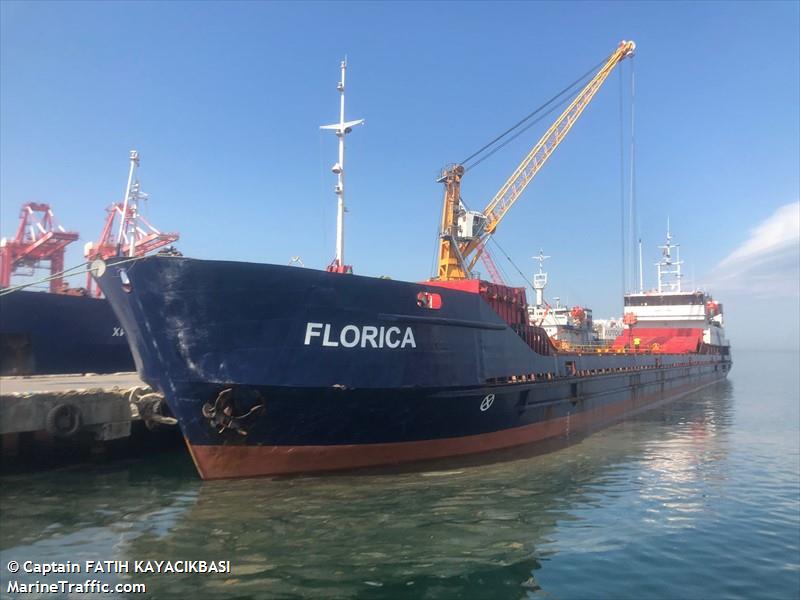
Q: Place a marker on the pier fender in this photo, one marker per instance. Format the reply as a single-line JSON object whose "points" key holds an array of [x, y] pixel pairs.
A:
{"points": [[227, 413], [63, 420]]}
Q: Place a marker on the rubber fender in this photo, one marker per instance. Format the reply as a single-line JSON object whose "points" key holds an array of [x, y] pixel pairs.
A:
{"points": [[63, 420]]}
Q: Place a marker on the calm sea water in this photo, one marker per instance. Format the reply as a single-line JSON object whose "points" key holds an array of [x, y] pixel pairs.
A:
{"points": [[698, 499]]}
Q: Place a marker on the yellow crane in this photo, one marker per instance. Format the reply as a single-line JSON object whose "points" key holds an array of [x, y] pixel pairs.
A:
{"points": [[464, 233]]}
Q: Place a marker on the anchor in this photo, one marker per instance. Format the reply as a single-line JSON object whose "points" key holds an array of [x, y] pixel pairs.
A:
{"points": [[220, 415]]}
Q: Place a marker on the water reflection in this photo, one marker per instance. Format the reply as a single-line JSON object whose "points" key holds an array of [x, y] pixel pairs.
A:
{"points": [[486, 530]]}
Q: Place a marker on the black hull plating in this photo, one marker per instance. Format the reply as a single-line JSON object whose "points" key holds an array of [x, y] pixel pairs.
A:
{"points": [[325, 417], [252, 339], [43, 333]]}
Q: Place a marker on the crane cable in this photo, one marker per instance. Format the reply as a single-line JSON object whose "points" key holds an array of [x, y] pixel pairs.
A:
{"points": [[622, 234], [564, 91], [8, 290], [629, 217], [513, 264], [553, 109], [634, 224], [567, 90]]}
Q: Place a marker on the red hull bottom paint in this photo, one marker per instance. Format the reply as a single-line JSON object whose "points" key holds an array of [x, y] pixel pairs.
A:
{"points": [[224, 462]]}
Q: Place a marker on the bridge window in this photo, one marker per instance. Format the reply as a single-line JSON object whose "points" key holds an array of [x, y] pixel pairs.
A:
{"points": [[664, 300]]}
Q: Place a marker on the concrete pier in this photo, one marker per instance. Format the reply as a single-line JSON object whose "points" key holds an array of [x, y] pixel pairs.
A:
{"points": [[54, 412]]}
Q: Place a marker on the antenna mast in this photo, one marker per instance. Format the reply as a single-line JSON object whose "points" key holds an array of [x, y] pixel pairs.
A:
{"points": [[127, 227], [669, 267], [341, 129], [540, 278]]}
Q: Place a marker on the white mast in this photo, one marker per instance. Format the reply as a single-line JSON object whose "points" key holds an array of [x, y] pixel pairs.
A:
{"points": [[341, 129], [540, 278], [122, 234], [128, 227], [668, 267]]}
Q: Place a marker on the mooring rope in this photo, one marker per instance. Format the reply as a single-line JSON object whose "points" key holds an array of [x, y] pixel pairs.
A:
{"points": [[17, 288]]}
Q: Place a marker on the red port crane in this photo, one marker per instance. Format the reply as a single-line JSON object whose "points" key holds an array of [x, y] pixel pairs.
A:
{"points": [[39, 239]]}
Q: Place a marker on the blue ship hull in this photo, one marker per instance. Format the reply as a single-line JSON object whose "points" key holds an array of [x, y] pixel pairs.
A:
{"points": [[44, 333], [273, 369]]}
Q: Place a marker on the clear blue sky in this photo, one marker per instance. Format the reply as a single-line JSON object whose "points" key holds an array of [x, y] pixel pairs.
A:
{"points": [[223, 102]]}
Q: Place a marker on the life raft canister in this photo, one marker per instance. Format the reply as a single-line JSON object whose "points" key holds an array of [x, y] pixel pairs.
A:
{"points": [[629, 318]]}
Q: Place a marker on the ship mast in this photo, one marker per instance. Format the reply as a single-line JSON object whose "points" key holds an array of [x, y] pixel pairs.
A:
{"points": [[341, 129], [540, 278], [136, 235], [669, 268], [128, 225]]}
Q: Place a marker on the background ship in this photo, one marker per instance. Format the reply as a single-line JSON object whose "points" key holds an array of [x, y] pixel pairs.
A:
{"points": [[567, 327], [68, 330], [43, 333]]}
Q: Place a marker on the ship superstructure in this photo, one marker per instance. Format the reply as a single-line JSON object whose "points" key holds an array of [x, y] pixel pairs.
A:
{"points": [[670, 317], [568, 327], [607, 330]]}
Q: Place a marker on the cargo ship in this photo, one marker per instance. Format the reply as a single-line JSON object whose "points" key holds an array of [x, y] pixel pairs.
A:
{"points": [[55, 333], [65, 329], [275, 370]]}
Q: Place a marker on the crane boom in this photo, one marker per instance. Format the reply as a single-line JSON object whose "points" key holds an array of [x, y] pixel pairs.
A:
{"points": [[464, 233]]}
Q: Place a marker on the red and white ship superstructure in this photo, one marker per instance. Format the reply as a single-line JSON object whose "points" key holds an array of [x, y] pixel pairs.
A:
{"points": [[671, 319]]}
